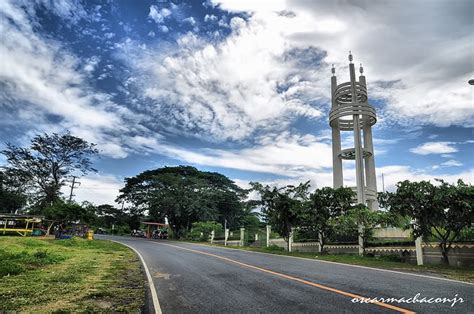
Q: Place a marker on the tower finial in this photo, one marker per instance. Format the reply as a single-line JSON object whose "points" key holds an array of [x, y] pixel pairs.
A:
{"points": [[333, 70], [350, 56], [361, 69]]}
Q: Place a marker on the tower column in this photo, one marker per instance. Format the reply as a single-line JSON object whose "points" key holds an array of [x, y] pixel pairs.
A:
{"points": [[370, 161], [336, 160], [370, 166], [336, 143], [359, 161]]}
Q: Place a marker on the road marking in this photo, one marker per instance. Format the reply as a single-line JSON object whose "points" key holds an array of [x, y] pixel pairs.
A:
{"points": [[154, 296], [337, 263], [306, 282]]}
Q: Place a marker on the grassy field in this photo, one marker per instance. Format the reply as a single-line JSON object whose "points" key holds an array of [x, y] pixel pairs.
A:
{"points": [[46, 275], [451, 272]]}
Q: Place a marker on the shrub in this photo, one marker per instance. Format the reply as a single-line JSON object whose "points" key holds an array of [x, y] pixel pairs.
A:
{"points": [[201, 231], [274, 248]]}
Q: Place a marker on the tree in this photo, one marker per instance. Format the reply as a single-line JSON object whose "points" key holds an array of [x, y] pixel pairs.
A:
{"points": [[109, 215], [61, 211], [12, 192], [441, 212], [47, 163], [323, 207], [184, 195], [362, 221], [282, 207], [250, 218]]}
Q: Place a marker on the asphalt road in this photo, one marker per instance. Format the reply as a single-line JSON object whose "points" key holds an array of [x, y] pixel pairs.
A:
{"points": [[191, 278]]}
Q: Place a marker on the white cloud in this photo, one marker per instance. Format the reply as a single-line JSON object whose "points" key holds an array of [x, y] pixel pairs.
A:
{"points": [[109, 35], [394, 174], [190, 20], [434, 148], [158, 15], [230, 89], [210, 18], [91, 64], [42, 78], [286, 155], [96, 188], [452, 163], [430, 87]]}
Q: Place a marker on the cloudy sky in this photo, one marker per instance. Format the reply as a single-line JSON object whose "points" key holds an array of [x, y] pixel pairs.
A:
{"points": [[239, 87]]}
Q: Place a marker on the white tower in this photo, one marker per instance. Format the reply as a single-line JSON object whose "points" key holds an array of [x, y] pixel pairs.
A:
{"points": [[351, 112]]}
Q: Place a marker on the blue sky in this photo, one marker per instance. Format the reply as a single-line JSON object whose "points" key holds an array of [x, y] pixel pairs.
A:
{"points": [[239, 87]]}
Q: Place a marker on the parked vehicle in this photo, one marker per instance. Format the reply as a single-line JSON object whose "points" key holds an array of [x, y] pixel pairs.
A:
{"points": [[164, 234], [160, 234], [137, 233]]}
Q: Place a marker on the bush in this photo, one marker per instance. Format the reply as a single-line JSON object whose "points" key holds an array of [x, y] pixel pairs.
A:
{"points": [[274, 248], [10, 268], [467, 234], [201, 231]]}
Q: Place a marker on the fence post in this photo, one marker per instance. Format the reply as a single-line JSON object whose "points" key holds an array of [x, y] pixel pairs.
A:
{"points": [[242, 233], [419, 251], [226, 236], [320, 240], [361, 240], [212, 236], [269, 230], [290, 240], [256, 237]]}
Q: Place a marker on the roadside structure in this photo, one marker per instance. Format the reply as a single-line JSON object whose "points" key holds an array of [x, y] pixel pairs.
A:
{"points": [[153, 225], [22, 224], [351, 112]]}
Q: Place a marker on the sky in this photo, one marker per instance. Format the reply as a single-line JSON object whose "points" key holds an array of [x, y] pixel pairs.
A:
{"points": [[239, 87]]}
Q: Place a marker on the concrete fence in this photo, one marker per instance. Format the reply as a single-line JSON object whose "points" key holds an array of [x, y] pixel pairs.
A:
{"points": [[461, 254], [391, 234]]}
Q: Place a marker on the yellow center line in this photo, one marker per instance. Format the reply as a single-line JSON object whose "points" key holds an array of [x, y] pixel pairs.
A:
{"points": [[306, 282]]}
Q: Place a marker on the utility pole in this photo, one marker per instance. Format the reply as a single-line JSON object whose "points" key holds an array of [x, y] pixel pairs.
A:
{"points": [[73, 185]]}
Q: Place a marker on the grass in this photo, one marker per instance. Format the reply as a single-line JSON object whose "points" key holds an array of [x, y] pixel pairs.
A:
{"points": [[46, 275], [383, 262]]}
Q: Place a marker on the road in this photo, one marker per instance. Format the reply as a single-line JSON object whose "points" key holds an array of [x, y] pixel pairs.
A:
{"points": [[192, 278]]}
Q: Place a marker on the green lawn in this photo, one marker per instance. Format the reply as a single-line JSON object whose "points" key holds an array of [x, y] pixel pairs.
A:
{"points": [[39, 275], [451, 272]]}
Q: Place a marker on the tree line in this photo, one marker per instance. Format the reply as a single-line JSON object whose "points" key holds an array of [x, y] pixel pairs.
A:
{"points": [[439, 212], [32, 179]]}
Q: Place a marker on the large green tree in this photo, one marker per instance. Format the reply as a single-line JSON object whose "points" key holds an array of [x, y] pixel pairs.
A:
{"points": [[362, 221], [437, 211], [61, 211], [49, 161], [283, 207], [185, 195], [323, 207], [12, 192]]}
